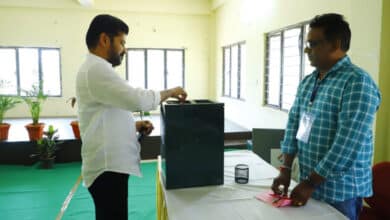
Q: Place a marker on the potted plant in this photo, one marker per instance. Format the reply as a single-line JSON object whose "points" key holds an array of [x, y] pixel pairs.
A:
{"points": [[34, 99], [46, 148], [74, 124], [6, 103]]}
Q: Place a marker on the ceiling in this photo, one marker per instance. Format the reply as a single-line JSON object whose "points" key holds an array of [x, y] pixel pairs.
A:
{"points": [[192, 7]]}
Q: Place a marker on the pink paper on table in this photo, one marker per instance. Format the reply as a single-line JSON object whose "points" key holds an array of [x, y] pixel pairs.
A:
{"points": [[274, 199]]}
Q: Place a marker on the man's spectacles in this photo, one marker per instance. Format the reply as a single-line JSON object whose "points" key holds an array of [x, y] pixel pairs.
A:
{"points": [[313, 43]]}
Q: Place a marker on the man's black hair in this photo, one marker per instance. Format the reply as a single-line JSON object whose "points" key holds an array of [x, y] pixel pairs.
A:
{"points": [[104, 23], [334, 27]]}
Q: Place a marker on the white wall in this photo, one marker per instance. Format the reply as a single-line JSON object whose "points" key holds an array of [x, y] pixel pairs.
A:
{"points": [[249, 20], [164, 24], [187, 24]]}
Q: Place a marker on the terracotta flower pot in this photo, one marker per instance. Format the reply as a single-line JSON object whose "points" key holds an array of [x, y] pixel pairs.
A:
{"points": [[76, 129], [4, 128], [35, 132]]}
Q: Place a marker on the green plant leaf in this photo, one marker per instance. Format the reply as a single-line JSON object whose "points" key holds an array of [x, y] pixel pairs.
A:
{"points": [[7, 103], [48, 144], [34, 99]]}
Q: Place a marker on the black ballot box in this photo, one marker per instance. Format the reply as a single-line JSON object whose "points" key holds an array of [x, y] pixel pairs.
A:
{"points": [[192, 143]]}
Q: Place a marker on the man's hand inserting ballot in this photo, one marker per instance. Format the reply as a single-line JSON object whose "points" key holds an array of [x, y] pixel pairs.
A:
{"points": [[177, 92]]}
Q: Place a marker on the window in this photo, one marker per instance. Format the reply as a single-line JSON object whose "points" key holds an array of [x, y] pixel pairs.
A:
{"points": [[23, 68], [156, 69], [286, 65], [234, 67]]}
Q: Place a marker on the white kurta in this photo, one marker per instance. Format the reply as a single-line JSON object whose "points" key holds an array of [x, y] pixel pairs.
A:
{"points": [[108, 133]]}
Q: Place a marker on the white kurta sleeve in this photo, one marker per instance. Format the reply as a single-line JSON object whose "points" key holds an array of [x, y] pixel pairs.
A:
{"points": [[106, 87]]}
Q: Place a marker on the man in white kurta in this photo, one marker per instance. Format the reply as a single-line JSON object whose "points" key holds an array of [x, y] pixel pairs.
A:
{"points": [[110, 150]]}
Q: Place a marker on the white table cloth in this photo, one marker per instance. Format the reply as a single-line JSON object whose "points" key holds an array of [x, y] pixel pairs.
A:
{"points": [[233, 201]]}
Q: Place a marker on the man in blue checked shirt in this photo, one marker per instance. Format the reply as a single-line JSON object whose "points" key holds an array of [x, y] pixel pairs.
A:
{"points": [[330, 124]]}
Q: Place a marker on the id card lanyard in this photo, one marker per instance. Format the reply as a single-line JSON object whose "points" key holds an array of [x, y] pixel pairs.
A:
{"points": [[314, 92], [307, 118]]}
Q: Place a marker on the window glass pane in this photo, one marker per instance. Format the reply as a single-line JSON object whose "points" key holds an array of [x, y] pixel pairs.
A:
{"points": [[51, 72], [175, 68], [242, 72], [226, 74], [288, 100], [291, 66], [234, 73], [28, 69], [8, 80], [308, 69], [155, 69], [136, 68], [274, 64]]}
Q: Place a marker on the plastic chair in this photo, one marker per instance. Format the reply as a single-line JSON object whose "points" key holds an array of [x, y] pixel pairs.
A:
{"points": [[379, 202]]}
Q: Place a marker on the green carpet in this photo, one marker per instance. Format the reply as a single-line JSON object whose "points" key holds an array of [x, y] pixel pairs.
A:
{"points": [[142, 198], [30, 193], [27, 192]]}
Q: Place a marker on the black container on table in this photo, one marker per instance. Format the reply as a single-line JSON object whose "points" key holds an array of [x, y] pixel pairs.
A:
{"points": [[192, 143]]}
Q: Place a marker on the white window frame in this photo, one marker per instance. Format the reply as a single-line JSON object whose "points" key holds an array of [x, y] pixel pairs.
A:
{"points": [[304, 66], [165, 50], [19, 91], [227, 73]]}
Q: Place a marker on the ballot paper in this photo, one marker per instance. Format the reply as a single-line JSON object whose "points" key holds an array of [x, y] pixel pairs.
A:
{"points": [[274, 199]]}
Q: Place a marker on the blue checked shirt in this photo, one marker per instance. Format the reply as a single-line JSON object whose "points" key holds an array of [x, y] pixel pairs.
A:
{"points": [[340, 144]]}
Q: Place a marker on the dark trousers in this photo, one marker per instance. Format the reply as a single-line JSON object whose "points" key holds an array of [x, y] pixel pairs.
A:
{"points": [[109, 192], [350, 208]]}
